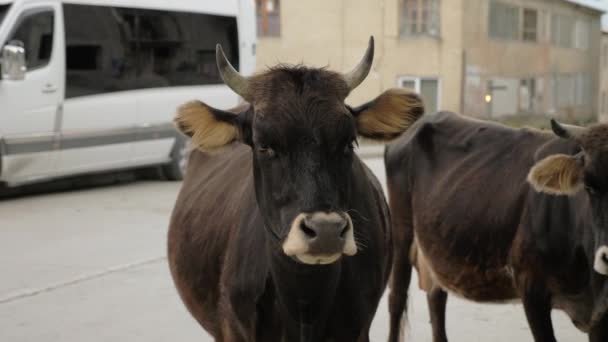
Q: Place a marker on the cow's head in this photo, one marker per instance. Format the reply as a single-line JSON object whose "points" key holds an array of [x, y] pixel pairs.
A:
{"points": [[302, 135], [563, 174]]}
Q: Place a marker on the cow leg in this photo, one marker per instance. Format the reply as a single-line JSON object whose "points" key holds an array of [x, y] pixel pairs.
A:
{"points": [[437, 299], [599, 333], [537, 304], [400, 284]]}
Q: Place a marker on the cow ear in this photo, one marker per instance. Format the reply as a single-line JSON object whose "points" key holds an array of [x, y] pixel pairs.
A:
{"points": [[388, 115], [208, 127], [559, 174]]}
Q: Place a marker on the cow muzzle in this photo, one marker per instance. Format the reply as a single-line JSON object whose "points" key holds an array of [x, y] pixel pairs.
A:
{"points": [[601, 260], [320, 238]]}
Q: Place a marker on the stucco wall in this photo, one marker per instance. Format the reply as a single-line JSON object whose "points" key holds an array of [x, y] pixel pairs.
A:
{"points": [[334, 33], [488, 58]]}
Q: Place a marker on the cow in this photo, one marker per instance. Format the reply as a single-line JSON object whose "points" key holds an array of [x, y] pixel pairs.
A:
{"points": [[280, 232], [498, 214]]}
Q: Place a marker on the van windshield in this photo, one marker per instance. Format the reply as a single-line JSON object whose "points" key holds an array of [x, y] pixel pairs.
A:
{"points": [[3, 10]]}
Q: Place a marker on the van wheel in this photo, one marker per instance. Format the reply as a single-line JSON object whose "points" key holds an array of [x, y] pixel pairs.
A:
{"points": [[176, 169]]}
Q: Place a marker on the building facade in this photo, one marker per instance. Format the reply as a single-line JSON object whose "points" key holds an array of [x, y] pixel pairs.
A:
{"points": [[485, 58], [603, 93]]}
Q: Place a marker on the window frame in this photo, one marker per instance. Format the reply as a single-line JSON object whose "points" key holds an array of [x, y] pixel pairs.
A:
{"points": [[517, 36], [420, 23], [264, 32], [604, 54], [536, 28], [581, 36], [418, 85], [27, 13]]}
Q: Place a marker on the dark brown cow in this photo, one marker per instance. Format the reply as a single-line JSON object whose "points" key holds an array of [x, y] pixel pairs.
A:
{"points": [[494, 214], [280, 232]]}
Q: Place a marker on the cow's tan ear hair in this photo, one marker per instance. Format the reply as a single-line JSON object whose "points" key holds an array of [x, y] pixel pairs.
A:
{"points": [[559, 174], [389, 115], [202, 123]]}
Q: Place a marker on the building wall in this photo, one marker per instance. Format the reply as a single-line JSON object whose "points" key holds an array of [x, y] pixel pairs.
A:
{"points": [[509, 61], [463, 57], [335, 33], [603, 94]]}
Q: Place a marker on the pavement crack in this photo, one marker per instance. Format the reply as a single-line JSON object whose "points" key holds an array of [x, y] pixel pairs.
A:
{"points": [[77, 280]]}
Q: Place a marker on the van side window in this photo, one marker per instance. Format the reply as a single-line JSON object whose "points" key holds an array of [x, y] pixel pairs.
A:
{"points": [[100, 50], [178, 49], [35, 31], [112, 49]]}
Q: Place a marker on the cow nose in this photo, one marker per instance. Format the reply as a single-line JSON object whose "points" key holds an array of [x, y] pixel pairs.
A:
{"points": [[601, 260], [326, 232]]}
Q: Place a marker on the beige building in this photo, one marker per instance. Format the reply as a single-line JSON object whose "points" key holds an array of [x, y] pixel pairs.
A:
{"points": [[486, 58], [603, 94]]}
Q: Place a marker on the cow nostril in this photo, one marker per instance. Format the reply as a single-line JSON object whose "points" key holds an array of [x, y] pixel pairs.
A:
{"points": [[344, 231], [605, 258], [311, 234]]}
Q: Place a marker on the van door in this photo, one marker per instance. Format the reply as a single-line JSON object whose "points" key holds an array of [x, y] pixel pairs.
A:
{"points": [[30, 107], [97, 128]]}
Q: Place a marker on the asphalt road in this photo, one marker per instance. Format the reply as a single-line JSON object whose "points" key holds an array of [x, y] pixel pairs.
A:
{"points": [[89, 265]]}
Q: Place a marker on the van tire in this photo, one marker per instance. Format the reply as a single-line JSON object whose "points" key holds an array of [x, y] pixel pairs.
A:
{"points": [[176, 168]]}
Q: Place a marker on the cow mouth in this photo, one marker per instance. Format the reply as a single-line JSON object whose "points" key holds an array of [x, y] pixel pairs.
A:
{"points": [[317, 259]]}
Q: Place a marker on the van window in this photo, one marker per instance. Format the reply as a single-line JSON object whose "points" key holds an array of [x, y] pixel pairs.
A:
{"points": [[100, 50], [3, 10], [179, 48], [35, 31], [112, 49]]}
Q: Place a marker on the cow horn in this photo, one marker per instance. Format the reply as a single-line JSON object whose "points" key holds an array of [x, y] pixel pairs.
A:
{"points": [[231, 77], [359, 73], [566, 131]]}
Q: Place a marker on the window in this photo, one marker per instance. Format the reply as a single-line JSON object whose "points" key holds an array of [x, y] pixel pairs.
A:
{"points": [[530, 25], [3, 10], [565, 90], [581, 36], [562, 30], [268, 18], [173, 52], [428, 88], [572, 90], [582, 89], [35, 31], [419, 17], [503, 21], [115, 49], [527, 94]]}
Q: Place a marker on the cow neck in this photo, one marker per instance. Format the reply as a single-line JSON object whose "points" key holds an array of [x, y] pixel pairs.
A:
{"points": [[305, 293], [274, 237], [601, 304]]}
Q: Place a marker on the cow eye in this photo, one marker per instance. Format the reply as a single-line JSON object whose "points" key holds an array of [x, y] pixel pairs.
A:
{"points": [[590, 189], [266, 151]]}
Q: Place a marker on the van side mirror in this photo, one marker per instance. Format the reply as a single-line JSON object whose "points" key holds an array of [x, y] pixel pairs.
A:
{"points": [[13, 61]]}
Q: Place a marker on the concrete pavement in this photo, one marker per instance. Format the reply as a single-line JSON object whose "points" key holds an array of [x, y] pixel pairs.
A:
{"points": [[90, 265]]}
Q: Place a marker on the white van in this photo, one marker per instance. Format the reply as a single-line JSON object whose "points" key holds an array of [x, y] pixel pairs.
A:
{"points": [[92, 85]]}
